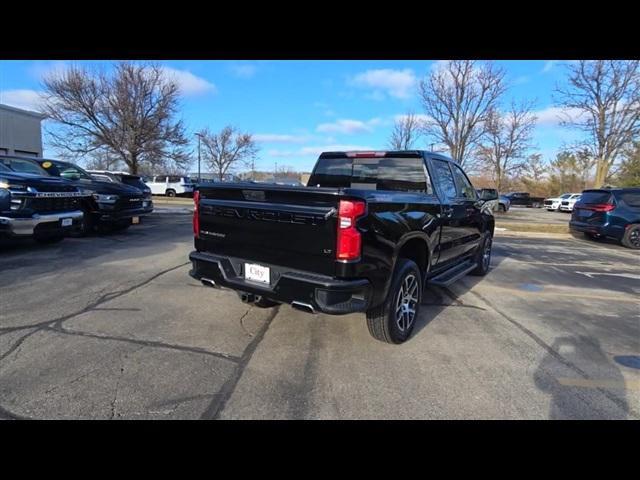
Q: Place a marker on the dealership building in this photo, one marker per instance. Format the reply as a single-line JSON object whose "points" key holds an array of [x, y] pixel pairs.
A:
{"points": [[20, 132]]}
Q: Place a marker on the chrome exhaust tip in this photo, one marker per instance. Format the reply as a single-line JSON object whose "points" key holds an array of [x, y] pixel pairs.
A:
{"points": [[305, 307], [207, 282]]}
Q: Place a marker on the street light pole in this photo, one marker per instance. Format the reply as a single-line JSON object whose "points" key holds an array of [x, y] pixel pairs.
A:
{"points": [[199, 176]]}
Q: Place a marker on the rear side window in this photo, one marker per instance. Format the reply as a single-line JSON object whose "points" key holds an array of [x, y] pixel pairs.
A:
{"points": [[175, 180], [396, 174], [444, 178], [595, 196], [631, 198]]}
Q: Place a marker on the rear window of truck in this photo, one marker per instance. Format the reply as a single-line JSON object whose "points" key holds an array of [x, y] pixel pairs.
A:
{"points": [[396, 174]]}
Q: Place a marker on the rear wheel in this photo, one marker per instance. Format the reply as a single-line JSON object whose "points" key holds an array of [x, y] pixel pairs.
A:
{"points": [[121, 225], [393, 321], [631, 237], [483, 257]]}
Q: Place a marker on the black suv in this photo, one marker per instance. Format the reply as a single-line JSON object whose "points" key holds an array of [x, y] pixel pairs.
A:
{"points": [[112, 205]]}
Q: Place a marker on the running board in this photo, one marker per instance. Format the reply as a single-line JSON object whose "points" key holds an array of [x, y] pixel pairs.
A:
{"points": [[447, 277]]}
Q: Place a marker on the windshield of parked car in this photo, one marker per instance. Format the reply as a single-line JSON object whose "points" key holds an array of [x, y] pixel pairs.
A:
{"points": [[23, 166], [133, 181], [65, 170], [565, 196]]}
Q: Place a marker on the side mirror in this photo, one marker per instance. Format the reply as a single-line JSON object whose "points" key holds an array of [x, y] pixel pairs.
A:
{"points": [[5, 200]]}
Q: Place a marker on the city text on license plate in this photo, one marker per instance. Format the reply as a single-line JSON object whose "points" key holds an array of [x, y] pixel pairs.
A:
{"points": [[256, 273], [67, 222]]}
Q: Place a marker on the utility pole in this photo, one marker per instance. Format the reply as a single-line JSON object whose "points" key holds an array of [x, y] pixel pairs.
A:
{"points": [[199, 135]]}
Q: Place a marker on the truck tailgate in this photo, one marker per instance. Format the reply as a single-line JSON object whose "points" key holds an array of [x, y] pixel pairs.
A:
{"points": [[270, 224]]}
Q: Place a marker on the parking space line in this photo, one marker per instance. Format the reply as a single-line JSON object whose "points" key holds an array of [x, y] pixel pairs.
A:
{"points": [[610, 384], [555, 293]]}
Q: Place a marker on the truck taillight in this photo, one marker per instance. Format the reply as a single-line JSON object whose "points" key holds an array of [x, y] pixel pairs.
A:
{"points": [[196, 215], [349, 242]]}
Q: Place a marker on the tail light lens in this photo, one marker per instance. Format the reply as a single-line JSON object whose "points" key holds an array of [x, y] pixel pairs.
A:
{"points": [[349, 239], [596, 207], [196, 215]]}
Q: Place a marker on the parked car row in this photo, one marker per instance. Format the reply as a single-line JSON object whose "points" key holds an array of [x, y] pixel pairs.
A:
{"points": [[49, 199], [563, 203]]}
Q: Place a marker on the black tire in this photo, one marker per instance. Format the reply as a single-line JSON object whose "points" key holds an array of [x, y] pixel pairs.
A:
{"points": [[502, 208], [265, 303], [49, 239], [170, 193], [631, 237], [87, 226], [383, 322], [483, 262], [121, 225]]}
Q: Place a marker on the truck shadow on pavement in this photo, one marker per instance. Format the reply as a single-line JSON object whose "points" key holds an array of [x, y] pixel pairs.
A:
{"points": [[582, 382]]}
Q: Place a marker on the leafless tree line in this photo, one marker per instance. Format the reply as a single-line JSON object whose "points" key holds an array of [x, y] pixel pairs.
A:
{"points": [[462, 103]]}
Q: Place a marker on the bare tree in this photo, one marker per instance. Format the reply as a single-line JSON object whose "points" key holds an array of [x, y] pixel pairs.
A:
{"points": [[406, 131], [103, 160], [228, 149], [129, 113], [457, 98], [506, 140], [603, 97]]}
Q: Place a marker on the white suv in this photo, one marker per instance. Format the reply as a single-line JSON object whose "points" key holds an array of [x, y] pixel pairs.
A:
{"points": [[567, 204], [170, 185], [553, 204]]}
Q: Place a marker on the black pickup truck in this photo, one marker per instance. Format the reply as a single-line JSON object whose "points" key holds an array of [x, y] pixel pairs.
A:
{"points": [[41, 207], [365, 235], [111, 205], [524, 199]]}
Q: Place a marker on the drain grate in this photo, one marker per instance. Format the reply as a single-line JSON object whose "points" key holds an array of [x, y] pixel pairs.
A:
{"points": [[631, 361]]}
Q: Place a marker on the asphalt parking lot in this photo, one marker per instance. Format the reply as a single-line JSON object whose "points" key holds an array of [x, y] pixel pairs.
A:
{"points": [[113, 327]]}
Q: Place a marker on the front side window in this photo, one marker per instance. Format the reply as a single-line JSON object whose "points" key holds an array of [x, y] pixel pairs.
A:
{"points": [[465, 189], [444, 179]]}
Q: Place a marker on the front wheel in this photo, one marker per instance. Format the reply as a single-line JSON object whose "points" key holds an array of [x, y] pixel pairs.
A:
{"points": [[171, 193], [393, 321], [483, 257], [631, 237], [502, 208]]}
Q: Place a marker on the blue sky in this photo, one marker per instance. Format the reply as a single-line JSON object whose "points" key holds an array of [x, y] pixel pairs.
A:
{"points": [[297, 109]]}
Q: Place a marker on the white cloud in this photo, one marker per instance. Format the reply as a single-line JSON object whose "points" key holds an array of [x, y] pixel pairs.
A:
{"points": [[316, 150], [552, 116], [244, 70], [421, 117], [279, 138], [395, 83], [189, 83], [548, 66], [348, 126], [27, 99]]}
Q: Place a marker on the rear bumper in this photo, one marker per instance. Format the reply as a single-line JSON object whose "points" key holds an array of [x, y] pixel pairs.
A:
{"points": [[325, 294], [606, 230], [49, 224]]}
